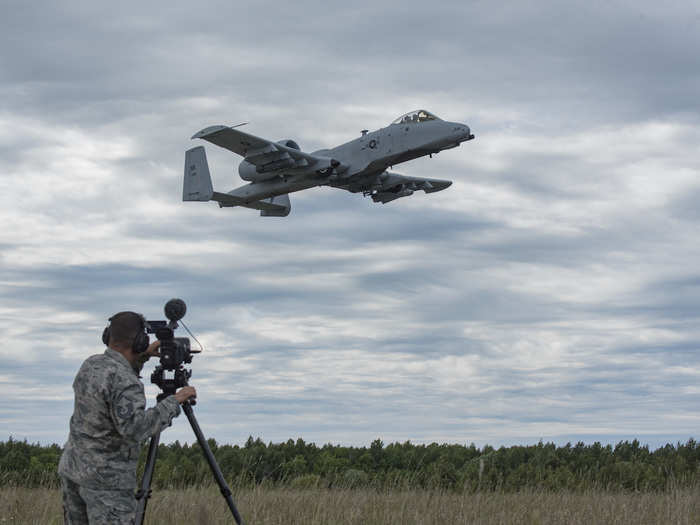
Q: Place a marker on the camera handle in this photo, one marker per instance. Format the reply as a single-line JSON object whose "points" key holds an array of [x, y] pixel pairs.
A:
{"points": [[145, 491]]}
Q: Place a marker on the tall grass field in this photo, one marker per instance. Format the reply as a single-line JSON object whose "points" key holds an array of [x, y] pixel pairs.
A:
{"points": [[316, 506]]}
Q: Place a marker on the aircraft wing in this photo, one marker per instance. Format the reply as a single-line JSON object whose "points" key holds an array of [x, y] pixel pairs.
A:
{"points": [[390, 179], [393, 186], [255, 150]]}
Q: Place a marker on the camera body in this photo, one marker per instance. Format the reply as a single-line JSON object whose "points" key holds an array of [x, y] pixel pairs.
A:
{"points": [[175, 352]]}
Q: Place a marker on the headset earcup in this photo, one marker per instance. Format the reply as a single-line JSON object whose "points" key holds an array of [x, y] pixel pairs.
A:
{"points": [[141, 342], [105, 335]]}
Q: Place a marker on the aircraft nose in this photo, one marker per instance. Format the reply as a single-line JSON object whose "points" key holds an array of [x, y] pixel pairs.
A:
{"points": [[468, 133], [463, 132]]}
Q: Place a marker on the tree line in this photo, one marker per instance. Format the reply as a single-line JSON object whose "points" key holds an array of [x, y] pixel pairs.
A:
{"points": [[297, 464]]}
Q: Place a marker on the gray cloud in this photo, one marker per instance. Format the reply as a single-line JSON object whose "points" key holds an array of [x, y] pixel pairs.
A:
{"points": [[551, 292]]}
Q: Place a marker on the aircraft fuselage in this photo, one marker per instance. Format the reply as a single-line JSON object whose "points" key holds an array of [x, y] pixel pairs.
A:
{"points": [[361, 161]]}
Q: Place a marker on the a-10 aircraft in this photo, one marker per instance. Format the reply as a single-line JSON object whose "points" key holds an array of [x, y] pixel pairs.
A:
{"points": [[276, 169]]}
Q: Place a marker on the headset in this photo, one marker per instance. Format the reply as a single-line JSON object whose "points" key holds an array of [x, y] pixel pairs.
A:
{"points": [[140, 342]]}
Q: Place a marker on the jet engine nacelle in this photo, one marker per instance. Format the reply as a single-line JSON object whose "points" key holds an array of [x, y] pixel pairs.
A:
{"points": [[247, 171], [250, 172], [282, 162], [289, 143]]}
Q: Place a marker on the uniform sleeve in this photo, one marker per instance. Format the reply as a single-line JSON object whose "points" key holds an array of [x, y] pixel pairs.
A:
{"points": [[133, 421]]}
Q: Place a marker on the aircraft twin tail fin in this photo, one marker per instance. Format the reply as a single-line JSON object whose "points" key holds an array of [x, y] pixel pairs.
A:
{"points": [[197, 184]]}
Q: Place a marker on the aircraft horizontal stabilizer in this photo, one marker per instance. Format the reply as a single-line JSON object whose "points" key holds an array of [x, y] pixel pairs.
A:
{"points": [[278, 206], [281, 202]]}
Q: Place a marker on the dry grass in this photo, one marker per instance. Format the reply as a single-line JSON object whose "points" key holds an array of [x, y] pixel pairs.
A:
{"points": [[367, 507]]}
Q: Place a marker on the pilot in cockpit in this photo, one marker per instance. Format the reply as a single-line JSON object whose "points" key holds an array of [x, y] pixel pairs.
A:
{"points": [[415, 117]]}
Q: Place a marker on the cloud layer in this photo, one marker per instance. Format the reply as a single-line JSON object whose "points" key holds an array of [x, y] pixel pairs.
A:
{"points": [[552, 292]]}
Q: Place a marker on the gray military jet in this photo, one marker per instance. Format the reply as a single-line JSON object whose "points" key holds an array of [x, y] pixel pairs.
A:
{"points": [[276, 169]]}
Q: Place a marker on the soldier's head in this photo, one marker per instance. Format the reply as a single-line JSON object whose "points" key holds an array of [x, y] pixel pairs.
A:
{"points": [[126, 330]]}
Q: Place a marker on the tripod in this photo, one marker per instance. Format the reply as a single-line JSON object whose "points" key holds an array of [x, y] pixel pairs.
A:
{"points": [[145, 491]]}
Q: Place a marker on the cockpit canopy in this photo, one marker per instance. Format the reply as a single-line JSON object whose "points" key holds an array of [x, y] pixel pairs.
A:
{"points": [[420, 115]]}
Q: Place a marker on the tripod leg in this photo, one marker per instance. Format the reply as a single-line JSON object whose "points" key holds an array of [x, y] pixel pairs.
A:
{"points": [[145, 491], [225, 491]]}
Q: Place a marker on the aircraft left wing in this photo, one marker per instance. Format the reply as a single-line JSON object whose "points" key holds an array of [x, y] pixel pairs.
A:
{"points": [[259, 151]]}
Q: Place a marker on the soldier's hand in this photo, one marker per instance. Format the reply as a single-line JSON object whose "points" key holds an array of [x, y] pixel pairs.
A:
{"points": [[152, 350], [185, 393]]}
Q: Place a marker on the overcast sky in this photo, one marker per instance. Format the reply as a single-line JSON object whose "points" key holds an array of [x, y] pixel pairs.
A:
{"points": [[552, 292]]}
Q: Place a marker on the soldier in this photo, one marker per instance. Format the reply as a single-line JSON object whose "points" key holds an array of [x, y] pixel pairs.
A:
{"points": [[109, 425]]}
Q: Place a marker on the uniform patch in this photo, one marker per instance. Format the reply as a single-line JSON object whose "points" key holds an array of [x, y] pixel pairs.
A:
{"points": [[125, 411]]}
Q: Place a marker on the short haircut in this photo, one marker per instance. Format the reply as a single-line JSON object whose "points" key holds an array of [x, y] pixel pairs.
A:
{"points": [[124, 327]]}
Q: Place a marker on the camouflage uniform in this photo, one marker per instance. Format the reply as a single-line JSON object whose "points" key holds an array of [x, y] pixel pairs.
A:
{"points": [[108, 427]]}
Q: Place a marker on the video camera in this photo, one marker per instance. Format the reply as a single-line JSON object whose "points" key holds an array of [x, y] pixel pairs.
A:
{"points": [[170, 375], [174, 351]]}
